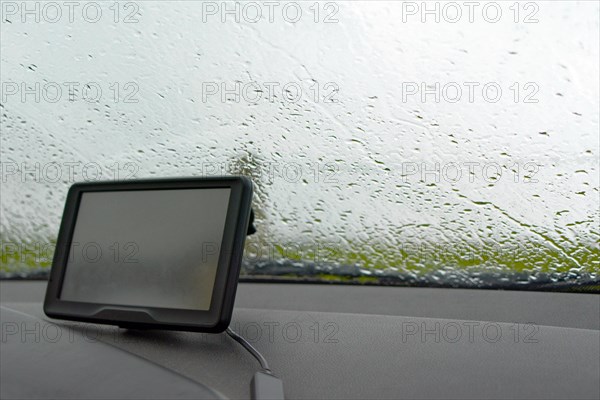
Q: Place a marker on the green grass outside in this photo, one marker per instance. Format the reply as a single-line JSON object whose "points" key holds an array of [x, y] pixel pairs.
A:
{"points": [[410, 257]]}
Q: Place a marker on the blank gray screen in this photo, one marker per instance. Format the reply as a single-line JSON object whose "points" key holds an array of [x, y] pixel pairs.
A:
{"points": [[153, 248]]}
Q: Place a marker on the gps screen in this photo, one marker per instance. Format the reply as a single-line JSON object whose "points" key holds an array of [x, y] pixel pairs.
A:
{"points": [[148, 248]]}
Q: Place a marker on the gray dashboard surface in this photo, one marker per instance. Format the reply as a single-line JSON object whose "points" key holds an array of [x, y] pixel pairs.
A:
{"points": [[541, 308], [38, 360], [369, 355]]}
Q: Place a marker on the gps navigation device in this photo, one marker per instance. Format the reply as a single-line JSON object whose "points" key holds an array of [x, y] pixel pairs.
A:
{"points": [[156, 254]]}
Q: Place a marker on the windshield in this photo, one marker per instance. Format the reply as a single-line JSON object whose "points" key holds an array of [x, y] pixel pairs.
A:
{"points": [[427, 144]]}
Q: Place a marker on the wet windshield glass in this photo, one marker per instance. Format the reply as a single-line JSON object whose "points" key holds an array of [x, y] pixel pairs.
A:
{"points": [[443, 143]]}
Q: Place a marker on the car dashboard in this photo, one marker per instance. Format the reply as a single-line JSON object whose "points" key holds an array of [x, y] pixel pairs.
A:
{"points": [[323, 341]]}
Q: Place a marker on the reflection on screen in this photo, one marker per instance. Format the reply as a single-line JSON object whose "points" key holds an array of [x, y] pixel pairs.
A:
{"points": [[153, 248]]}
